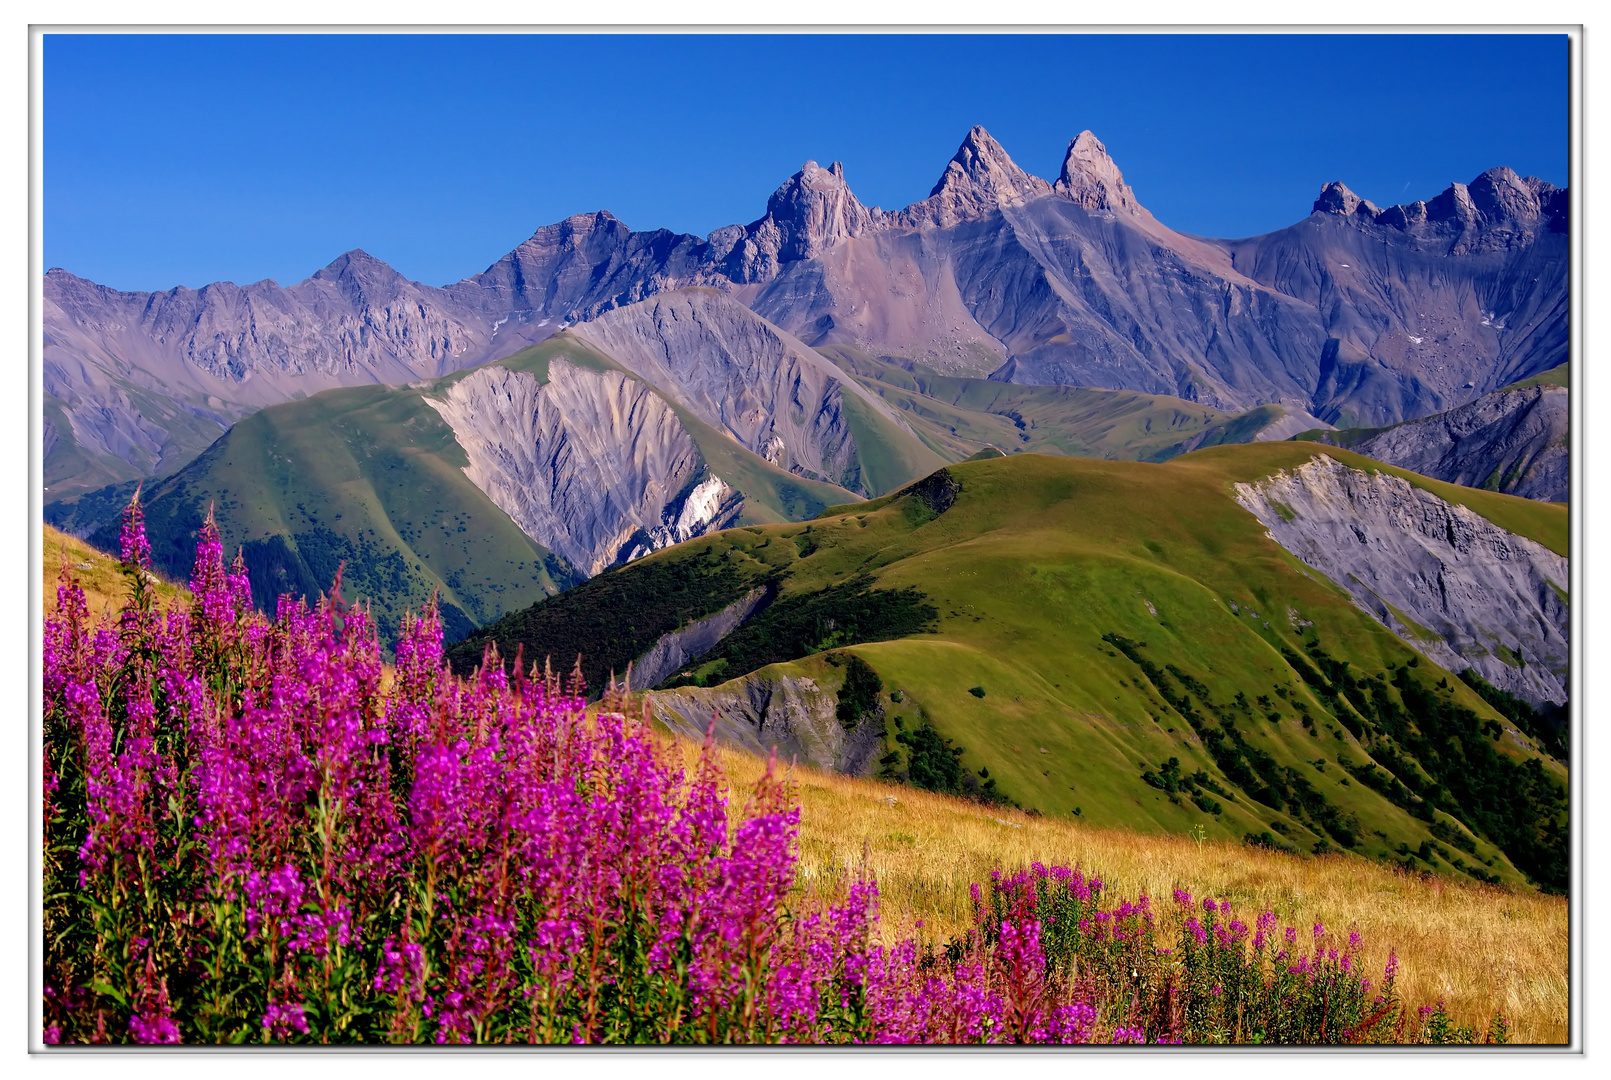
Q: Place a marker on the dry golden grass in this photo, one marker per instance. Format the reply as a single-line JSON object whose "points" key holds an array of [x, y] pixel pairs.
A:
{"points": [[96, 571], [1479, 948]]}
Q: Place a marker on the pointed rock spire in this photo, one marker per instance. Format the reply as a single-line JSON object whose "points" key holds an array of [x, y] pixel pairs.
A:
{"points": [[979, 177], [1500, 194], [812, 210], [1091, 179], [815, 209], [1336, 198]]}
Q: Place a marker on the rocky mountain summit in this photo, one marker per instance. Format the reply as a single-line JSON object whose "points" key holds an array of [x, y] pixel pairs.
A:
{"points": [[980, 178], [1493, 212], [1354, 317]]}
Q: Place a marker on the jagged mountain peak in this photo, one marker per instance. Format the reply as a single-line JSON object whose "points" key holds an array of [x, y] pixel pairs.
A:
{"points": [[982, 165], [1494, 207], [814, 209], [808, 213], [1091, 179], [980, 176], [1500, 193], [355, 263], [1337, 198]]}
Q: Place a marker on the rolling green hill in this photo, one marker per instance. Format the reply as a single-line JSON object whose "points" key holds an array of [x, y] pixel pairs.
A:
{"points": [[1114, 640], [368, 477], [371, 478]]}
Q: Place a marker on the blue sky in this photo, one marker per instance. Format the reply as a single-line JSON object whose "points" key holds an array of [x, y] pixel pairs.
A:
{"points": [[176, 160]]}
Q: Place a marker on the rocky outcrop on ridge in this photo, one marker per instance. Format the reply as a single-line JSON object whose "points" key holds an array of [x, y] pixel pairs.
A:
{"points": [[1444, 579], [1514, 441], [592, 465], [794, 715], [675, 650]]}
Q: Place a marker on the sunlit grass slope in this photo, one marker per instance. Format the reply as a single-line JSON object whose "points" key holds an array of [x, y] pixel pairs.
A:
{"points": [[98, 573], [1043, 563]]}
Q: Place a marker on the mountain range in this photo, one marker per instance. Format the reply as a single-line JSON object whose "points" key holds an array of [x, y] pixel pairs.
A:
{"points": [[1016, 478], [1353, 317]]}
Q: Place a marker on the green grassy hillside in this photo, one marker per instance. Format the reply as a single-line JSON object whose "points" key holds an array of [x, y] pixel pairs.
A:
{"points": [[1559, 375], [1120, 641], [369, 477], [958, 416]]}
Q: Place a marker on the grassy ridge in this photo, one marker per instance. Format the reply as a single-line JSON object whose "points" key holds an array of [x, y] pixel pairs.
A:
{"points": [[958, 416], [368, 476], [97, 572], [1559, 375], [1041, 561]]}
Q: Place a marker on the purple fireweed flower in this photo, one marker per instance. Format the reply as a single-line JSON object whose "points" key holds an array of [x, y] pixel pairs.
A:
{"points": [[132, 543], [319, 849], [158, 1028], [283, 1019]]}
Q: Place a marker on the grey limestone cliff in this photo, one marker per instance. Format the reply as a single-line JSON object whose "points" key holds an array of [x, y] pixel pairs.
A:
{"points": [[1449, 582], [795, 715], [1514, 441], [592, 465], [741, 375]]}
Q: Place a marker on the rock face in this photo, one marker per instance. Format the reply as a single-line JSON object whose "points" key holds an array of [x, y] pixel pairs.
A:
{"points": [[1091, 179], [1446, 580], [792, 714], [1514, 441], [1427, 306], [1358, 316], [676, 649], [978, 179], [592, 465], [810, 213], [740, 375]]}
